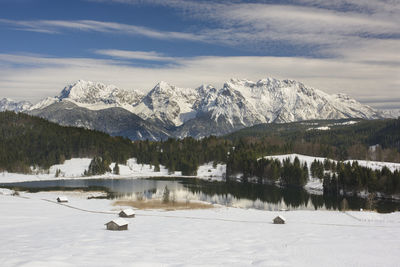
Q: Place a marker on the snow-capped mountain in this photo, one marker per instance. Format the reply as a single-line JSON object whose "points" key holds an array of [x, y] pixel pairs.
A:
{"points": [[115, 121], [168, 104], [391, 113], [270, 100], [95, 95], [169, 110], [11, 105], [243, 103]]}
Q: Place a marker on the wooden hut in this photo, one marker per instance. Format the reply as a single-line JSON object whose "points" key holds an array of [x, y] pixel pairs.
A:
{"points": [[62, 199], [117, 224], [279, 220], [127, 213]]}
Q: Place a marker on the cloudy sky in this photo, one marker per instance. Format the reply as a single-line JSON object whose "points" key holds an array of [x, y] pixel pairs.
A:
{"points": [[348, 46]]}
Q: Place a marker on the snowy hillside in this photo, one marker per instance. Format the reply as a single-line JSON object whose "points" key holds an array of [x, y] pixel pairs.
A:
{"points": [[74, 168], [375, 165]]}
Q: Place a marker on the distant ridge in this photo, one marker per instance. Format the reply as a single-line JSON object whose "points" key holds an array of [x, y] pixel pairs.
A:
{"points": [[197, 112]]}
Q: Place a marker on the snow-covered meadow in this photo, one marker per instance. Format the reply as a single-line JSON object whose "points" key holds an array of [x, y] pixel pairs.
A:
{"points": [[376, 165], [36, 231], [74, 168]]}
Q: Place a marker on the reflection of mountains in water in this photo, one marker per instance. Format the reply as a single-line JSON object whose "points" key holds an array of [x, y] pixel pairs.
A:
{"points": [[233, 194], [265, 197]]}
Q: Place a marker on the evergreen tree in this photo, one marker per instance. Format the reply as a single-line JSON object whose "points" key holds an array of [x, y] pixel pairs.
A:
{"points": [[116, 169], [98, 166]]}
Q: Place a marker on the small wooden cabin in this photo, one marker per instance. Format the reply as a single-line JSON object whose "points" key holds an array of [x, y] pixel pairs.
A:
{"points": [[117, 225], [279, 220], [127, 213], [62, 199]]}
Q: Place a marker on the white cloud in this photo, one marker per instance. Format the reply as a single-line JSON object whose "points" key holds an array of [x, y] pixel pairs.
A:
{"points": [[251, 25], [321, 27], [56, 26], [124, 54], [256, 24]]}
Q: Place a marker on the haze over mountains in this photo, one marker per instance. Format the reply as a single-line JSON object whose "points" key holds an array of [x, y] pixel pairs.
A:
{"points": [[170, 111]]}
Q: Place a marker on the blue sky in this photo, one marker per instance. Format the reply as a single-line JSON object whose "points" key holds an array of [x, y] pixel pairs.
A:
{"points": [[347, 46]]}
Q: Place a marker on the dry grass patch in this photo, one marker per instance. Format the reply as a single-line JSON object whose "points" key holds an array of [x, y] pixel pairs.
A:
{"points": [[158, 204]]}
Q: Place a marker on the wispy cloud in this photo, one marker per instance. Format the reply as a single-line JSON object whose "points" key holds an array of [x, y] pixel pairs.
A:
{"points": [[259, 23], [324, 28], [142, 55], [316, 24], [368, 7], [57, 26]]}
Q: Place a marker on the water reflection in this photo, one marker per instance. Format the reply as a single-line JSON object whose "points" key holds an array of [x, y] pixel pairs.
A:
{"points": [[265, 197]]}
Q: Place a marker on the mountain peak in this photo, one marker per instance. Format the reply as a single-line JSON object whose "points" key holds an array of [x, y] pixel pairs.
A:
{"points": [[240, 82], [81, 89], [205, 89], [239, 103], [87, 92], [163, 86]]}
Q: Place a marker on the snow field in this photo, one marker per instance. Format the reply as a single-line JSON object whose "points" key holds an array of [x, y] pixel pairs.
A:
{"points": [[376, 165], [35, 232], [74, 168]]}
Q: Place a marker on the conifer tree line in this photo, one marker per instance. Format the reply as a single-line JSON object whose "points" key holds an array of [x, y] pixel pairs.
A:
{"points": [[27, 141], [181, 155], [367, 139], [344, 178]]}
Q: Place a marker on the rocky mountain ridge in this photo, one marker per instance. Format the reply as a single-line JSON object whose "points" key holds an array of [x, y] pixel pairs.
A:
{"points": [[198, 112]]}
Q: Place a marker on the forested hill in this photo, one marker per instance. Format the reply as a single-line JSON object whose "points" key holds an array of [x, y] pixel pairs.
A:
{"points": [[338, 139], [31, 141]]}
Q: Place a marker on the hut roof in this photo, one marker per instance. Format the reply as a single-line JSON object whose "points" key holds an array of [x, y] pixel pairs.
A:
{"points": [[62, 198], [129, 212], [119, 222], [280, 217]]}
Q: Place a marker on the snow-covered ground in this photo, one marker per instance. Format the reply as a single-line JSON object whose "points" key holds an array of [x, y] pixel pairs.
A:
{"points": [[36, 232], [376, 165], [328, 126], [74, 168]]}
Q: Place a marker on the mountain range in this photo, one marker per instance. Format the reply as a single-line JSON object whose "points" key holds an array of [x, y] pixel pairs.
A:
{"points": [[170, 111]]}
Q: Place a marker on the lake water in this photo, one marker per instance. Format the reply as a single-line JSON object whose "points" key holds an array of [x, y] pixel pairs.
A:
{"points": [[266, 197]]}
